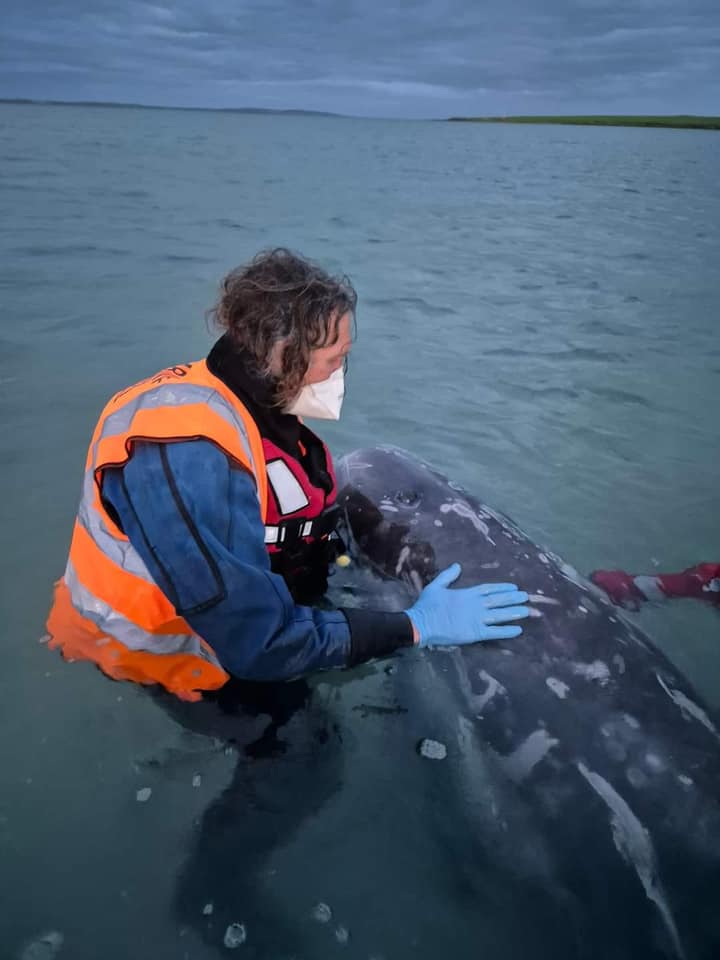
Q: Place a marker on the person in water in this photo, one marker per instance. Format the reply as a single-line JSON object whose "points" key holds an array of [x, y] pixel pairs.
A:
{"points": [[206, 521], [701, 582]]}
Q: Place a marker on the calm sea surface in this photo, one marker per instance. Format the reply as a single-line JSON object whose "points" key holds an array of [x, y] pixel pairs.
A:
{"points": [[537, 316]]}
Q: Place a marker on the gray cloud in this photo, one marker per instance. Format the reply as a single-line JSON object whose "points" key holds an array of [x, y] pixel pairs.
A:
{"points": [[430, 58]]}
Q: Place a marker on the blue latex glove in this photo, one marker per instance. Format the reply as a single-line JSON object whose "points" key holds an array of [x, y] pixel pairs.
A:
{"points": [[445, 617]]}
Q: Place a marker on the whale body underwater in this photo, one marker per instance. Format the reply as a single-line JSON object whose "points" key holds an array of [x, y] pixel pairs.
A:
{"points": [[582, 780]]}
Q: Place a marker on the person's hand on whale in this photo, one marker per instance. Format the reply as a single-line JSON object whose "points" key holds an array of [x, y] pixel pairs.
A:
{"points": [[444, 617]]}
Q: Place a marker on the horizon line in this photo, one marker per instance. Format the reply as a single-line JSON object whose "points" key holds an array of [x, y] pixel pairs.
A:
{"points": [[127, 104]]}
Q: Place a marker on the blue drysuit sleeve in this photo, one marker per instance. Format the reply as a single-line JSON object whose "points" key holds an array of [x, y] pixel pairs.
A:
{"points": [[194, 518]]}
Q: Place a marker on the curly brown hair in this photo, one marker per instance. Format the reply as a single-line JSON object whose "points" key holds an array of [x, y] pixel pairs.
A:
{"points": [[280, 297]]}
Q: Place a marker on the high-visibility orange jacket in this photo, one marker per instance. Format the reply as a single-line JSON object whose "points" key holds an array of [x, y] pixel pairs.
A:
{"points": [[107, 607]]}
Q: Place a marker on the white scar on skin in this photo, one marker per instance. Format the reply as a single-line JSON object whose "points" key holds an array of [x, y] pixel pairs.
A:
{"points": [[416, 581], [654, 763], [493, 686], [478, 702], [597, 670], [521, 762], [466, 511], [633, 843], [688, 707], [404, 554], [465, 735], [540, 598], [559, 688]]}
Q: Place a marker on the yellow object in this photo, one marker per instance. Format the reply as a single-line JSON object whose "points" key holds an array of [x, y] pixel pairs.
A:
{"points": [[343, 560]]}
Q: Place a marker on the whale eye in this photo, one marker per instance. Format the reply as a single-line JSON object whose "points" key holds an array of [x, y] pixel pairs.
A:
{"points": [[408, 498]]}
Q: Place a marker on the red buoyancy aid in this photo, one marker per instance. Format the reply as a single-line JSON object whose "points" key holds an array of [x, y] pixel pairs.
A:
{"points": [[297, 508]]}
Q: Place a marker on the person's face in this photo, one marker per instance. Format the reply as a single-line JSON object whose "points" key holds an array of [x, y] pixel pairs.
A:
{"points": [[324, 361]]}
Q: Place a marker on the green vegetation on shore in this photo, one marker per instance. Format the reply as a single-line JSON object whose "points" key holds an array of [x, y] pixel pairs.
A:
{"points": [[682, 121]]}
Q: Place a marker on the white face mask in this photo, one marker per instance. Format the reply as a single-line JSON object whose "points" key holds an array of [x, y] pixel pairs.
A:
{"points": [[321, 401]]}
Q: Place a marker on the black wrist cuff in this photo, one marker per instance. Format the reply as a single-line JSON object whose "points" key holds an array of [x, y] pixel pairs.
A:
{"points": [[376, 634]]}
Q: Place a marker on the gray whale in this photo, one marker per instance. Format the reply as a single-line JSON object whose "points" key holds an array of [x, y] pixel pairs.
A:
{"points": [[583, 773]]}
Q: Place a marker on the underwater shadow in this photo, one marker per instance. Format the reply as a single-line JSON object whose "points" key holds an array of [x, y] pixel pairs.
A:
{"points": [[289, 764]]}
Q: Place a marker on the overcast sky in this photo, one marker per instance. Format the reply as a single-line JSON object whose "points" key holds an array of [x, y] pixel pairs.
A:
{"points": [[373, 57]]}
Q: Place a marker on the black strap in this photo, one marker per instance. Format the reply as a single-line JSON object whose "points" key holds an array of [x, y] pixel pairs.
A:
{"points": [[290, 532]]}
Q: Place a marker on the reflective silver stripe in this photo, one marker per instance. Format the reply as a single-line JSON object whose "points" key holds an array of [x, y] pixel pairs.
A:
{"points": [[121, 552], [273, 534], [219, 405], [288, 491], [128, 633], [164, 395], [176, 395]]}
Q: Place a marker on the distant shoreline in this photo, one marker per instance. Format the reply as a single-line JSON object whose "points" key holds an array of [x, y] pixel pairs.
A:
{"points": [[154, 106], [680, 122]]}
